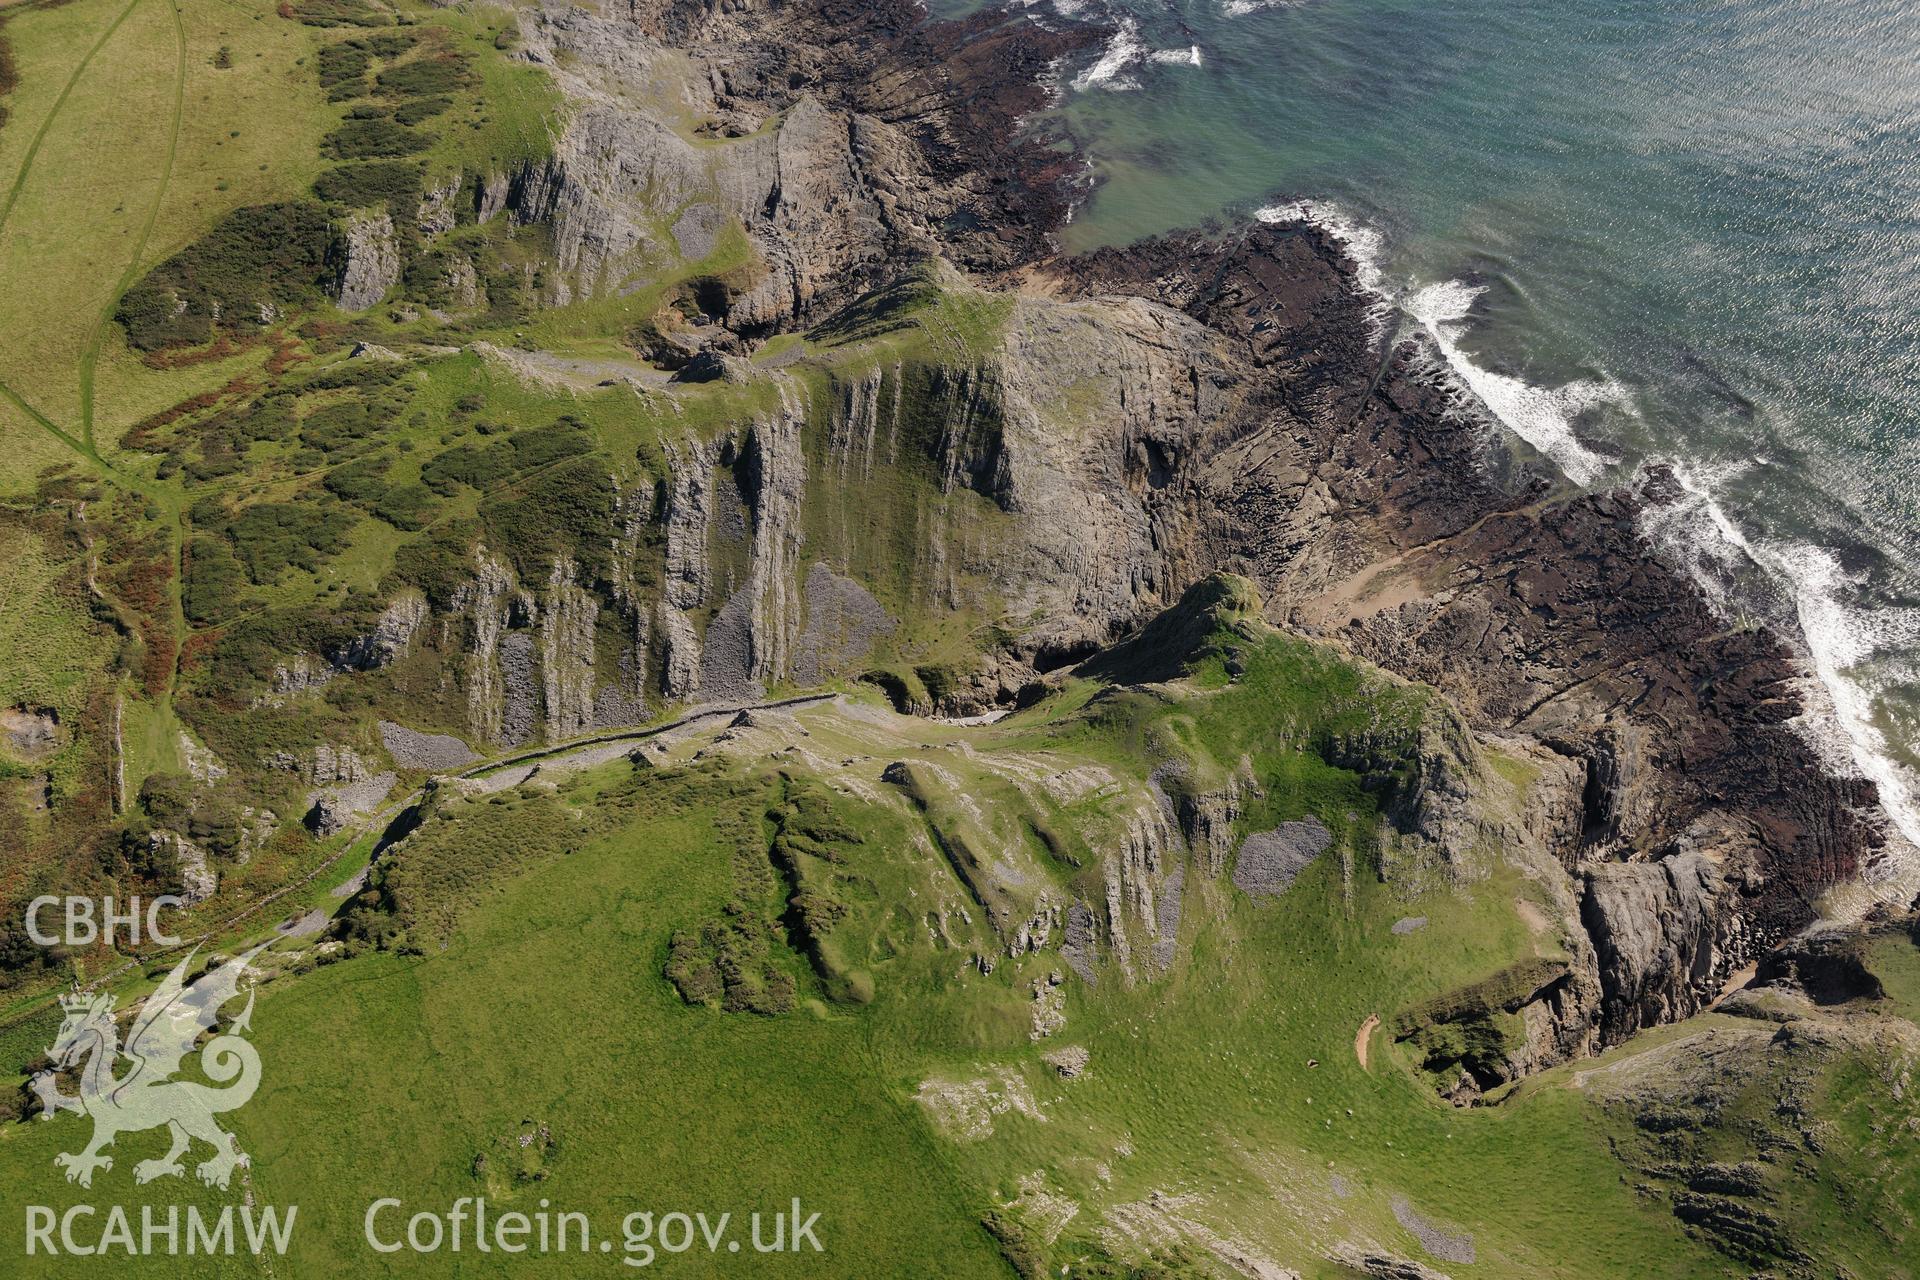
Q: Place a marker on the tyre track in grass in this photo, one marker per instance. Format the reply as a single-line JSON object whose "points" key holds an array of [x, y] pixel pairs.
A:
{"points": [[97, 337], [46, 123]]}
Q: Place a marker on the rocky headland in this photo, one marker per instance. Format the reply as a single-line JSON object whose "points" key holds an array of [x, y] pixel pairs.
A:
{"points": [[1240, 403], [893, 434]]}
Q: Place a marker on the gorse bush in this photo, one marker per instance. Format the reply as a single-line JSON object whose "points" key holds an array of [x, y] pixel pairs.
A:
{"points": [[335, 13], [272, 537], [438, 563], [393, 183], [254, 262], [346, 62], [365, 137], [424, 77], [418, 109], [563, 510], [360, 481], [215, 585]]}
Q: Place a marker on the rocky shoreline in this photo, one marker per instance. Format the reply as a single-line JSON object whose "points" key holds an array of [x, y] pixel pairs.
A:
{"points": [[1342, 469], [972, 463]]}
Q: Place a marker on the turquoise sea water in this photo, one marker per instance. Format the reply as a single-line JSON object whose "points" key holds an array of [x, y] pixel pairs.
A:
{"points": [[1682, 230]]}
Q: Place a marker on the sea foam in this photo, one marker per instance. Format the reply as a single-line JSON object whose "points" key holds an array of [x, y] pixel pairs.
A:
{"points": [[1542, 416], [1843, 641], [1125, 51], [1364, 246]]}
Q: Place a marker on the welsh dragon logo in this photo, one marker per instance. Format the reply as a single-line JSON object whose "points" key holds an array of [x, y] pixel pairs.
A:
{"points": [[163, 1032]]}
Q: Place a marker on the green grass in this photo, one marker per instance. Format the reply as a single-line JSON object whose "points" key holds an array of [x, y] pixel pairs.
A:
{"points": [[1895, 961], [527, 992], [512, 113], [549, 998], [53, 648], [148, 146]]}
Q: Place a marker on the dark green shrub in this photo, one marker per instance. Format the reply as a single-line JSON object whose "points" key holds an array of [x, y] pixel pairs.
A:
{"points": [[262, 256], [424, 77], [269, 418], [406, 506], [343, 65], [361, 481], [390, 44], [335, 13], [271, 537], [469, 465], [691, 970], [362, 375], [368, 137], [566, 438], [358, 186], [167, 798], [418, 109], [215, 584], [439, 563], [564, 510], [334, 426]]}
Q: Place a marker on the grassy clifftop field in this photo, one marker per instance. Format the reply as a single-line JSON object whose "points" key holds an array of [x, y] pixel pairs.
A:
{"points": [[755, 962]]}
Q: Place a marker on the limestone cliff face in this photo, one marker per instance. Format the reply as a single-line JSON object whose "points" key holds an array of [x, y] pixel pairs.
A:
{"points": [[627, 195], [487, 606], [1375, 502], [1069, 465], [838, 155], [566, 631], [1664, 937], [1101, 406], [368, 262], [777, 488], [391, 637], [689, 514]]}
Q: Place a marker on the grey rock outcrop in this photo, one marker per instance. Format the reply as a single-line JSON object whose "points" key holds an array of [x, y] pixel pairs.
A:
{"points": [[1269, 861], [833, 152], [369, 262], [412, 749], [488, 603], [326, 764], [198, 880], [843, 623], [399, 623], [490, 196], [1661, 936], [298, 674], [438, 208], [462, 284], [777, 468], [568, 620], [1207, 818]]}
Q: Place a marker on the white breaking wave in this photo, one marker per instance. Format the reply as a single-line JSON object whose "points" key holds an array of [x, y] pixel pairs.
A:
{"points": [[1122, 52], [1841, 639], [1365, 246], [1126, 51], [1241, 8], [1542, 416], [1065, 8]]}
